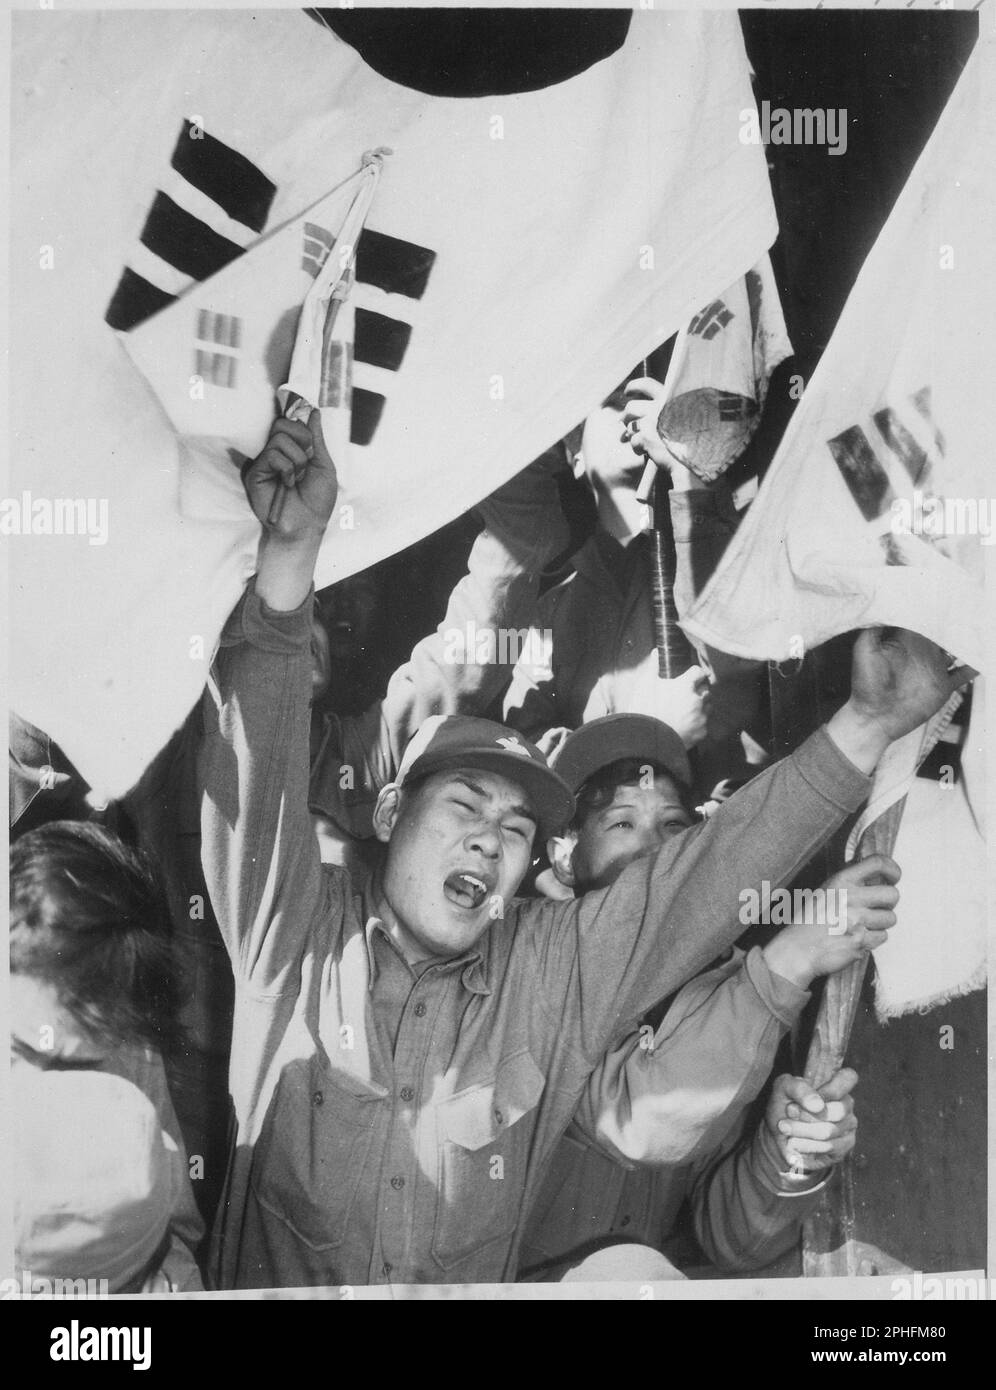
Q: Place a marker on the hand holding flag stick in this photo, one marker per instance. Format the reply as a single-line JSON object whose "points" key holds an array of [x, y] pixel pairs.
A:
{"points": [[292, 485], [899, 681], [296, 468], [839, 1004]]}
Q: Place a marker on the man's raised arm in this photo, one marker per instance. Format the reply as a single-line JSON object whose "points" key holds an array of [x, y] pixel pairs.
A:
{"points": [[607, 959], [259, 851]]}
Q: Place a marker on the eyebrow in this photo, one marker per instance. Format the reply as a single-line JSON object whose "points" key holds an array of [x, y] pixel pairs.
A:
{"points": [[526, 812], [674, 809], [468, 782]]}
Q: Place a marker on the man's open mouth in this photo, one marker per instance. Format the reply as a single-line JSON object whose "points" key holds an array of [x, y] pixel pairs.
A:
{"points": [[465, 890]]}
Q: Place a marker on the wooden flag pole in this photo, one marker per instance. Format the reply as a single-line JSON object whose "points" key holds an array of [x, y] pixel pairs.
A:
{"points": [[829, 1245]]}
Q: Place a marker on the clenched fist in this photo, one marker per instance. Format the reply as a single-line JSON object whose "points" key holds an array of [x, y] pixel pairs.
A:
{"points": [[813, 1128], [292, 485]]}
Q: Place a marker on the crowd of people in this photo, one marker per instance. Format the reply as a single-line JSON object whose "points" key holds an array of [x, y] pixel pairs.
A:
{"points": [[450, 985]]}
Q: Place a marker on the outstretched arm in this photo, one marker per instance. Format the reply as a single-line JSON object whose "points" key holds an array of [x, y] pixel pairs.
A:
{"points": [[605, 960], [667, 1097]]}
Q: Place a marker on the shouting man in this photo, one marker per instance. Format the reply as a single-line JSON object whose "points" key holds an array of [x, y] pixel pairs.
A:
{"points": [[404, 1062]]}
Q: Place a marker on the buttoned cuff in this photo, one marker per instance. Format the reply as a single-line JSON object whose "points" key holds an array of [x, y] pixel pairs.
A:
{"points": [[780, 997], [263, 627], [831, 775]]}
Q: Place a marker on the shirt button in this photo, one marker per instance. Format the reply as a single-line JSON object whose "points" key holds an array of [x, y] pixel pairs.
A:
{"points": [[407, 1093], [419, 1010], [397, 1184], [317, 1098], [499, 1117], [624, 1221]]}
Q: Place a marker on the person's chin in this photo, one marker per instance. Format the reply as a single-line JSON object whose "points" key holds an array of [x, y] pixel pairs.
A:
{"points": [[455, 929]]}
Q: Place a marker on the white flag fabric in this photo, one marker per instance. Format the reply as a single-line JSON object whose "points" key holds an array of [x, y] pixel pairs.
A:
{"points": [[521, 253], [321, 364], [224, 411], [718, 376], [877, 507], [938, 950]]}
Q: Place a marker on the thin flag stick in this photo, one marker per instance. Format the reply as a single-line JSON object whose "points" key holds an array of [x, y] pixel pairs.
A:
{"points": [[674, 654]]}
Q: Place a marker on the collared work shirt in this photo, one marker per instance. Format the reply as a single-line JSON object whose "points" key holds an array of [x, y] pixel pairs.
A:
{"points": [[393, 1125]]}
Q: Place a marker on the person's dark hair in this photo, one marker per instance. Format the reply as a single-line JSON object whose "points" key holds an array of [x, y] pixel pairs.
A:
{"points": [[88, 915], [602, 786]]}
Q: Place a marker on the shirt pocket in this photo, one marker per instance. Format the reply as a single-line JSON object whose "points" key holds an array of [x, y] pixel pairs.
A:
{"points": [[485, 1135], [312, 1151]]}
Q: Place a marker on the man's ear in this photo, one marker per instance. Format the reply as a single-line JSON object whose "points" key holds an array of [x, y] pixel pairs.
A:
{"points": [[560, 852], [386, 811]]}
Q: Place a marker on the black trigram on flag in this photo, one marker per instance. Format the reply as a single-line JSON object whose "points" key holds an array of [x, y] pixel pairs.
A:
{"points": [[712, 318], [866, 478], [215, 355], [383, 263], [212, 206], [317, 245]]}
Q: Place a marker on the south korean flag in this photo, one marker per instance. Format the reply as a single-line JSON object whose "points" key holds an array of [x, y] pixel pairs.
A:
{"points": [[321, 291]]}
